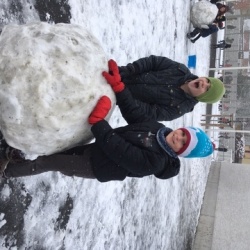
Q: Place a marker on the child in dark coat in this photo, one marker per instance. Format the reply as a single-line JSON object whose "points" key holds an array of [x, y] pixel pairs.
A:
{"points": [[202, 32], [222, 45], [165, 89], [144, 147]]}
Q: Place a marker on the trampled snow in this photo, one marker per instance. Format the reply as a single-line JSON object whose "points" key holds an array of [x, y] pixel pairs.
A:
{"points": [[52, 211]]}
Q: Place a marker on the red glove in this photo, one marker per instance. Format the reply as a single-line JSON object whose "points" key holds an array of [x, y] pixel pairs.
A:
{"points": [[100, 110], [114, 78]]}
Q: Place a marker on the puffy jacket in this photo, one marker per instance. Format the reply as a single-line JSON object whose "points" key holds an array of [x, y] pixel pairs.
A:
{"points": [[132, 150], [155, 82]]}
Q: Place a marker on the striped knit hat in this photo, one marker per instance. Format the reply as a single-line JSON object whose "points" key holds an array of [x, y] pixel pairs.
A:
{"points": [[198, 144]]}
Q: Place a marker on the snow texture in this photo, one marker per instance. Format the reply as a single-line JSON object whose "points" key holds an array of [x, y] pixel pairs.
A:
{"points": [[48, 80], [203, 13]]}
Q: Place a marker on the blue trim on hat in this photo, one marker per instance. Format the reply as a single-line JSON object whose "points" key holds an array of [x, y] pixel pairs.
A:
{"points": [[161, 138]]}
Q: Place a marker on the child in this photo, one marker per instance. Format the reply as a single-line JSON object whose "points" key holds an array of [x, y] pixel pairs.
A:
{"points": [[221, 45], [165, 89], [202, 32], [144, 147]]}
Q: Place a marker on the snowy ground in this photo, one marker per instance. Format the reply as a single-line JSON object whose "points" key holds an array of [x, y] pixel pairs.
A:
{"points": [[52, 211]]}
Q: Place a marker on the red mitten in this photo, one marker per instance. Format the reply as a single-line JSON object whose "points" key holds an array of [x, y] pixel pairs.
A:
{"points": [[100, 110], [114, 78]]}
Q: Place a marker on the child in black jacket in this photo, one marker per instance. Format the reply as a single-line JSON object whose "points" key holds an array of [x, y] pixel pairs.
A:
{"points": [[166, 89], [142, 148], [202, 32]]}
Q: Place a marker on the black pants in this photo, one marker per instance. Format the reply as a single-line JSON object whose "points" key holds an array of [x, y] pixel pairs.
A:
{"points": [[194, 33], [73, 162]]}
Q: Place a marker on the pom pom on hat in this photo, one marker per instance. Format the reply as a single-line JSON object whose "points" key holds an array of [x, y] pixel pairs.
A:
{"points": [[214, 93], [198, 144]]}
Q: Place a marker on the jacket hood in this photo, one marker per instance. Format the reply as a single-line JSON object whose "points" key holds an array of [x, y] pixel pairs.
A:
{"points": [[173, 166]]}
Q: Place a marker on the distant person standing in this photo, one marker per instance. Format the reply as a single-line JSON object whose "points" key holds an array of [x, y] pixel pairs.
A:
{"points": [[222, 9], [221, 45]]}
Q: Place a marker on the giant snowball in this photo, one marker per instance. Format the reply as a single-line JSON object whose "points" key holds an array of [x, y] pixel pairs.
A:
{"points": [[203, 13], [50, 80]]}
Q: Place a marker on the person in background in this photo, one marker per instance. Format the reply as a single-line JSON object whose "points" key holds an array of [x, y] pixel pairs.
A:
{"points": [[142, 148], [222, 9], [197, 33], [165, 89], [221, 45]]}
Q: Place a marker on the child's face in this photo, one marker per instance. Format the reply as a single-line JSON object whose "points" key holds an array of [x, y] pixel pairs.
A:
{"points": [[222, 9], [198, 86], [176, 139]]}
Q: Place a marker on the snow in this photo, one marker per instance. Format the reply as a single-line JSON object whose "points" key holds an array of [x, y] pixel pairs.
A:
{"points": [[203, 13], [50, 80], [51, 211]]}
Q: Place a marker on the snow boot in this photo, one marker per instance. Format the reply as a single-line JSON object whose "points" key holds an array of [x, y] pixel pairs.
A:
{"points": [[14, 155], [3, 166]]}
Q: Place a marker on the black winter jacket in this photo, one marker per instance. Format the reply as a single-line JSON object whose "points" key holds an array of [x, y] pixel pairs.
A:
{"points": [[132, 150], [155, 83]]}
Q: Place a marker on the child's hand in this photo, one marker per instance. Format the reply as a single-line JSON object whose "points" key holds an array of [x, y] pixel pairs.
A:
{"points": [[100, 110], [114, 78]]}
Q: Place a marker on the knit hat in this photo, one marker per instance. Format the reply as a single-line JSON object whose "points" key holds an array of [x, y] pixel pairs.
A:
{"points": [[198, 144], [214, 93]]}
